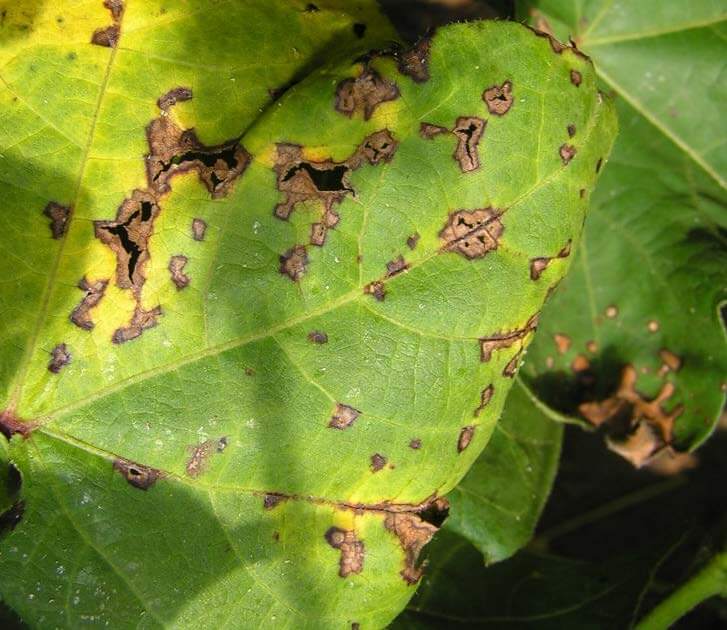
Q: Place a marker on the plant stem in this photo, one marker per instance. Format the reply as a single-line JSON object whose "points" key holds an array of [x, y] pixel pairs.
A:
{"points": [[710, 581]]}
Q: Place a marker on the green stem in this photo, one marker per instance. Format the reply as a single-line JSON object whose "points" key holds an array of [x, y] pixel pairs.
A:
{"points": [[710, 581]]}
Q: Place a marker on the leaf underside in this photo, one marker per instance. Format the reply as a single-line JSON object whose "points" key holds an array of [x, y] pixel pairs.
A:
{"points": [[231, 365]]}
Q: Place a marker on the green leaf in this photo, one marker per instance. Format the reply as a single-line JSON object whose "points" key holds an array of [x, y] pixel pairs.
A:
{"points": [[498, 503], [651, 273], [530, 590], [259, 385]]}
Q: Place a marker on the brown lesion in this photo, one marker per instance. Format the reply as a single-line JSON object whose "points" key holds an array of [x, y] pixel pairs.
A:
{"points": [[294, 262], [60, 357], [177, 264], [364, 93], [352, 550], [414, 62], [58, 215], [271, 501], [499, 98], [317, 337], [413, 533], [396, 266], [174, 96], [199, 228], [137, 475], [141, 320], [468, 131], [638, 428], [377, 289], [540, 264], [465, 437], [503, 340], [411, 241], [472, 233], [11, 424], [94, 292], [485, 398], [576, 78], [200, 454], [378, 461], [562, 342], [108, 36], [567, 152], [343, 416], [173, 150], [325, 181]]}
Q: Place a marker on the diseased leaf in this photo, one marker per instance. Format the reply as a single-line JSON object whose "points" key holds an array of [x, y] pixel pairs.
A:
{"points": [[235, 384], [635, 330], [497, 504]]}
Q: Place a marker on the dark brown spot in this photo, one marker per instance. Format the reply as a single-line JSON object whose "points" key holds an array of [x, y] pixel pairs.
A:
{"points": [[10, 424], [109, 35], [173, 151], [174, 96], [343, 416], [575, 77], [249, 372], [499, 98], [465, 437], [199, 227], [472, 233], [364, 93], [377, 289], [352, 550], [276, 536], [414, 62], [485, 398], [311, 8], [10, 518], [359, 29], [60, 356], [177, 264], [503, 340], [413, 240], [141, 320], [95, 290], [293, 263], [355, 626], [378, 461], [139, 476], [58, 216], [428, 131], [413, 533], [571, 130], [582, 193], [599, 164], [567, 153], [468, 130], [538, 265], [396, 266], [416, 444], [270, 501], [316, 336]]}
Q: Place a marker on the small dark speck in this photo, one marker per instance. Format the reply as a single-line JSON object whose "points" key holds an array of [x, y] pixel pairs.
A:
{"points": [[71, 56], [359, 29]]}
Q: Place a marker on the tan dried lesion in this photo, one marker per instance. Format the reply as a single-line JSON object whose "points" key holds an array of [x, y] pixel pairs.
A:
{"points": [[499, 98], [503, 340], [364, 93], [640, 428], [352, 550], [468, 131], [343, 416], [413, 534], [94, 292], [472, 233], [325, 181]]}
